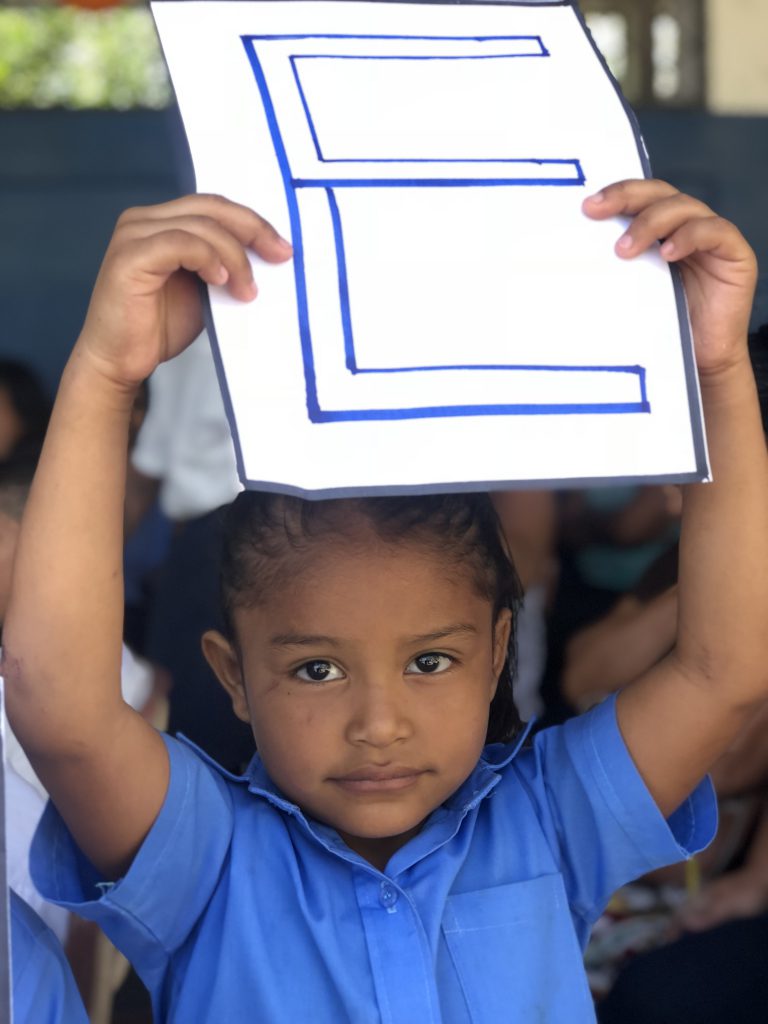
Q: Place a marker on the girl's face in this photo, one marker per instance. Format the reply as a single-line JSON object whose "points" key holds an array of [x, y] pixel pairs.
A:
{"points": [[367, 680]]}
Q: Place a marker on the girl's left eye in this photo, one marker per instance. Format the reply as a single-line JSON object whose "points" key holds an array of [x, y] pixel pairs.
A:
{"points": [[430, 664]]}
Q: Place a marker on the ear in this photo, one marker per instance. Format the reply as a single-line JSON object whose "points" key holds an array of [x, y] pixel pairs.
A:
{"points": [[502, 630], [222, 657]]}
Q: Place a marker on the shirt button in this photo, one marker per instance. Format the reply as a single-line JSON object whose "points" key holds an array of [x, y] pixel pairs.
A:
{"points": [[387, 895]]}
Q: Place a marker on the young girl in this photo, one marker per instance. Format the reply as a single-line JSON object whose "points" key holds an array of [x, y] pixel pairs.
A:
{"points": [[375, 863]]}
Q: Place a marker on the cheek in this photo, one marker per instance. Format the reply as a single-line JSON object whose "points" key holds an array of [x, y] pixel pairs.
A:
{"points": [[458, 713], [293, 735]]}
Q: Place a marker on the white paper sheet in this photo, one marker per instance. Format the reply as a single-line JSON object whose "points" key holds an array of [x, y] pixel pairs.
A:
{"points": [[450, 317]]}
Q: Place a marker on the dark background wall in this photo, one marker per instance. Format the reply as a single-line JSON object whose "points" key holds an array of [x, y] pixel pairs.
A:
{"points": [[65, 177]]}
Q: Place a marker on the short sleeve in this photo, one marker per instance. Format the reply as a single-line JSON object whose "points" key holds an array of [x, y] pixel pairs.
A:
{"points": [[44, 991], [604, 825], [149, 912]]}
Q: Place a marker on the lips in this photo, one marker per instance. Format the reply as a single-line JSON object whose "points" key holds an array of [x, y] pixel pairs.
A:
{"points": [[390, 778]]}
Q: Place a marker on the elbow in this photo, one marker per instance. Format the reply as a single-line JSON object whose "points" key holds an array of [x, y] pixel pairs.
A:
{"points": [[20, 704], [737, 680]]}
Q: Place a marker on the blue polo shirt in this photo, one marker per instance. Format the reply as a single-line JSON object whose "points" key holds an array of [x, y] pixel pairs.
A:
{"points": [[44, 991], [238, 908]]}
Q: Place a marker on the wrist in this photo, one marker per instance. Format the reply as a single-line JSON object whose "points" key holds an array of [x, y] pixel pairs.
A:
{"points": [[735, 373], [85, 370], [729, 394]]}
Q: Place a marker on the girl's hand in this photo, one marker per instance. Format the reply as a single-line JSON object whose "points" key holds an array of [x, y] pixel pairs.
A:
{"points": [[719, 269], [146, 306]]}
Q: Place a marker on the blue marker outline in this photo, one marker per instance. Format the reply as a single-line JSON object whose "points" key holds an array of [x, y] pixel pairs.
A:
{"points": [[349, 341], [291, 184], [294, 57]]}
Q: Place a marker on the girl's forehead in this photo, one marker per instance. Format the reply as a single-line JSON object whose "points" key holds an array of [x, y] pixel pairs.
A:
{"points": [[361, 551], [342, 573], [277, 550]]}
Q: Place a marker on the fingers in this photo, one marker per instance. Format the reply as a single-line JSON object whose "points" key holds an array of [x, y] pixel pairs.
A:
{"points": [[149, 260], [660, 212], [706, 234], [247, 226], [627, 197], [226, 227], [223, 260]]}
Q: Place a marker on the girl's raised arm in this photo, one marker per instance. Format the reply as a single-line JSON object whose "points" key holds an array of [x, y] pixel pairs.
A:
{"points": [[683, 714], [105, 768]]}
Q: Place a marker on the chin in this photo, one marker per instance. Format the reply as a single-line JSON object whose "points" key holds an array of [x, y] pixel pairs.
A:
{"points": [[382, 827]]}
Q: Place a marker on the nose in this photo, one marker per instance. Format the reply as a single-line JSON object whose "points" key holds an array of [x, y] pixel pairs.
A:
{"points": [[379, 715]]}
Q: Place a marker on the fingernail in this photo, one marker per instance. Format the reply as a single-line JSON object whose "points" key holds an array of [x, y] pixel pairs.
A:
{"points": [[222, 275], [667, 248], [252, 290], [625, 243], [598, 197], [284, 242]]}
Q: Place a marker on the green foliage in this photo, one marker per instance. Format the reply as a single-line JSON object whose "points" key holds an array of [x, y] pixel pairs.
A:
{"points": [[65, 57]]}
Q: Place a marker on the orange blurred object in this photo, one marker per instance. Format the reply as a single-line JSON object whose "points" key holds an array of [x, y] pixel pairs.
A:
{"points": [[91, 5]]}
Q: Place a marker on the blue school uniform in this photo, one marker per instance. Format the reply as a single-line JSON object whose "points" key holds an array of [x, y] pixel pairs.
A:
{"points": [[238, 908], [44, 991]]}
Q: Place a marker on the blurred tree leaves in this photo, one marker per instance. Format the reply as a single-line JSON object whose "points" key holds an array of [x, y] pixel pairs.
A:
{"points": [[65, 57]]}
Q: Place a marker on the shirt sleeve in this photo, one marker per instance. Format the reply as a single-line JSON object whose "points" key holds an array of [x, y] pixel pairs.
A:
{"points": [[603, 825], [44, 991], [149, 912]]}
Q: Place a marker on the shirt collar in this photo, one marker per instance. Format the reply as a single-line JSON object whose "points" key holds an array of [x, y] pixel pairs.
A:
{"points": [[487, 773]]}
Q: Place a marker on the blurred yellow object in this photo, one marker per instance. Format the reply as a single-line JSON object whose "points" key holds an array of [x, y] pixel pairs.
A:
{"points": [[692, 877]]}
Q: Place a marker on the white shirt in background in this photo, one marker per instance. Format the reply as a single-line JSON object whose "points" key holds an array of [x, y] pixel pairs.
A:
{"points": [[185, 440], [26, 797]]}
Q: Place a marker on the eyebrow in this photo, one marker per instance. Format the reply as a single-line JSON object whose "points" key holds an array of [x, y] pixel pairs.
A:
{"points": [[302, 640], [455, 629], [319, 640]]}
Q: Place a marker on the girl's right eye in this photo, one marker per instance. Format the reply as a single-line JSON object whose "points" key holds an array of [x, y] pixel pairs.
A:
{"points": [[319, 672]]}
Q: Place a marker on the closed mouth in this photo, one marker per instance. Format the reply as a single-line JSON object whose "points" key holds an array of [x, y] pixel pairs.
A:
{"points": [[379, 779]]}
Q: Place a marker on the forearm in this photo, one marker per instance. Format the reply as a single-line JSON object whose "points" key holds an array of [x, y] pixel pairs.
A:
{"points": [[684, 714], [723, 593], [63, 629]]}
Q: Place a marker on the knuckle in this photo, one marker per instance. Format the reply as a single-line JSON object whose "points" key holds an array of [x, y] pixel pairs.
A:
{"points": [[660, 184], [201, 222], [617, 188], [130, 216], [722, 225]]}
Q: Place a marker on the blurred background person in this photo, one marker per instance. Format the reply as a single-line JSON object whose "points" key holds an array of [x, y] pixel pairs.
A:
{"points": [[25, 408]]}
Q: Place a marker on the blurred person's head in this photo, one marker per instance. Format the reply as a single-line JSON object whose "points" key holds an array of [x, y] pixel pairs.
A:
{"points": [[138, 414], [758, 352], [25, 408], [16, 476]]}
